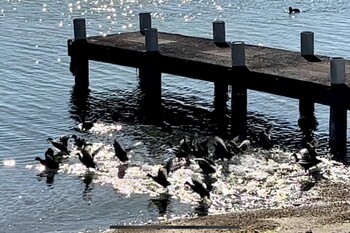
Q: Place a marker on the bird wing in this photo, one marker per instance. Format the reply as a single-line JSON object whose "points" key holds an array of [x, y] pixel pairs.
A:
{"points": [[162, 173], [93, 154], [169, 165], [219, 141]]}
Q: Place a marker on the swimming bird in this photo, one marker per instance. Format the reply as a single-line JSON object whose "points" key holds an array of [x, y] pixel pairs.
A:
{"points": [[206, 165], [295, 10], [306, 161], [199, 188], [237, 147], [49, 161], [80, 142], [86, 125], [57, 157], [221, 150], [87, 158], [161, 177], [200, 149], [265, 140], [61, 144], [88, 161], [183, 150]]}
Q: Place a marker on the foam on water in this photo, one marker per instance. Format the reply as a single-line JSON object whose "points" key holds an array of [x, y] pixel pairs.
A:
{"points": [[254, 180]]}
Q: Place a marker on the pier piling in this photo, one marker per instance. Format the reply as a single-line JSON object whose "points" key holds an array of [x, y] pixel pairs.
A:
{"points": [[338, 113], [239, 90], [220, 86], [150, 76], [79, 63]]}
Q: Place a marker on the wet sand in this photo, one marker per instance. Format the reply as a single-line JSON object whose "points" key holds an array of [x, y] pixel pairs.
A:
{"points": [[333, 217]]}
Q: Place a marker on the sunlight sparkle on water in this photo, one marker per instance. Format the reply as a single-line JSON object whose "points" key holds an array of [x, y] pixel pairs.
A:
{"points": [[9, 163]]}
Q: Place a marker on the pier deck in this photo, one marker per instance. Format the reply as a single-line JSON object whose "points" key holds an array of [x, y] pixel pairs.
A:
{"points": [[271, 70]]}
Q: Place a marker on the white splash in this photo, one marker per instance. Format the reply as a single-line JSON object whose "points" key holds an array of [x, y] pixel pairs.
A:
{"points": [[252, 181], [9, 163]]}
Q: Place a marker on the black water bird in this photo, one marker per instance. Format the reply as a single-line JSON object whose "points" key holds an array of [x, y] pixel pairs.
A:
{"points": [[199, 188], [57, 157], [293, 10], [87, 125], [49, 161], [161, 177], [168, 165], [87, 158], [80, 142], [237, 147], [122, 153], [265, 140], [306, 161], [221, 150], [61, 144], [206, 165], [88, 161], [200, 149], [182, 150]]}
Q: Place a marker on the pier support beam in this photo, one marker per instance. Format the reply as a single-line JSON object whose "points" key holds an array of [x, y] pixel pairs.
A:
{"points": [[239, 91], [79, 65], [151, 78], [338, 113], [220, 105], [307, 121], [145, 21]]}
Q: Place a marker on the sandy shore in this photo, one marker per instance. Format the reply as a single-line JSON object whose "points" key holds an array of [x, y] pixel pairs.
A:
{"points": [[333, 217]]}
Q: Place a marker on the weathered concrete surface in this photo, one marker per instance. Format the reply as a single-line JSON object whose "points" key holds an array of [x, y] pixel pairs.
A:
{"points": [[259, 59], [269, 70]]}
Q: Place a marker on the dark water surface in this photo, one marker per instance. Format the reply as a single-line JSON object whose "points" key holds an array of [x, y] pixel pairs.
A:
{"points": [[36, 96]]}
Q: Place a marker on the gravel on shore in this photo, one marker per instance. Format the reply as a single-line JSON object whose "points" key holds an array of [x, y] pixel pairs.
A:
{"points": [[332, 217]]}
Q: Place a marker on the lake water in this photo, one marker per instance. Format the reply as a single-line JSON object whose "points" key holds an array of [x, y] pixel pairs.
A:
{"points": [[36, 101]]}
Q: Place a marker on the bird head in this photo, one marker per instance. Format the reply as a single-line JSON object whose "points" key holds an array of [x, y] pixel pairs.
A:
{"points": [[187, 183], [49, 139], [49, 151], [38, 158], [74, 136]]}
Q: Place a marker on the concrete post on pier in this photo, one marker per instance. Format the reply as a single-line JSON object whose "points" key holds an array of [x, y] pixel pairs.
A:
{"points": [[239, 90], [338, 113], [79, 65], [145, 21], [151, 77], [307, 46], [219, 34]]}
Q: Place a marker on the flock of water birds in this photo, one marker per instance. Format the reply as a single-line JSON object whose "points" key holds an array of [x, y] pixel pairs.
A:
{"points": [[206, 153]]}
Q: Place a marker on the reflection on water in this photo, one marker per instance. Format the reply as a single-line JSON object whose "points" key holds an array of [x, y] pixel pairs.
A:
{"points": [[50, 177], [161, 202], [202, 208], [124, 106], [87, 180]]}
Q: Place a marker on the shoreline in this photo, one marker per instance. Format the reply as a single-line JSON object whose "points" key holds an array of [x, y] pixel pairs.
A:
{"points": [[332, 217]]}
